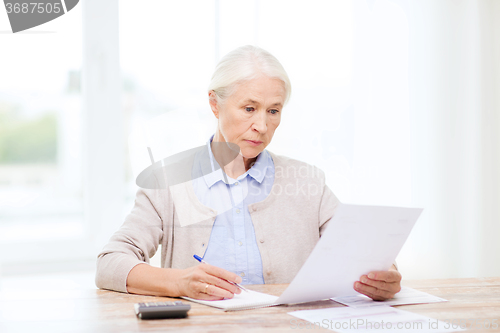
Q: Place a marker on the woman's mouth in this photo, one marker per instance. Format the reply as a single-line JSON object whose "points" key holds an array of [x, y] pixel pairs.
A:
{"points": [[254, 143]]}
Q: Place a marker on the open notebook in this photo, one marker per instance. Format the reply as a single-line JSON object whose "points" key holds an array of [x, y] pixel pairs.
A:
{"points": [[358, 240]]}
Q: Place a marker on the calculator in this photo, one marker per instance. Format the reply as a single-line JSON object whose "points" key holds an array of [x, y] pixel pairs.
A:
{"points": [[161, 310]]}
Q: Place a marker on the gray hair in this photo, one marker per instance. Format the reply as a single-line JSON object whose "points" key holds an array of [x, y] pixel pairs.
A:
{"points": [[243, 64]]}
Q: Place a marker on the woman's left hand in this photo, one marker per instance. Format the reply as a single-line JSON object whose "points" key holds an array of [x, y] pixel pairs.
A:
{"points": [[380, 285]]}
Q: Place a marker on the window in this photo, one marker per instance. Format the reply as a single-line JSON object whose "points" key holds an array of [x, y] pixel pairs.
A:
{"points": [[41, 198]]}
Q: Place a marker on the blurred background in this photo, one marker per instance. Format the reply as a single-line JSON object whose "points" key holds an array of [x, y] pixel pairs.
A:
{"points": [[398, 101]]}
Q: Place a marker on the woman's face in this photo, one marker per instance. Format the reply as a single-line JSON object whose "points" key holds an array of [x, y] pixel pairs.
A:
{"points": [[250, 115]]}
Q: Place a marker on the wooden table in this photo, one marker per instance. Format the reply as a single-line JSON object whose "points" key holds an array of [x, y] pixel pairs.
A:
{"points": [[65, 307]]}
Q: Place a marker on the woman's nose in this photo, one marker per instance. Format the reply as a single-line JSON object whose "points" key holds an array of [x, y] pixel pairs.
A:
{"points": [[260, 122]]}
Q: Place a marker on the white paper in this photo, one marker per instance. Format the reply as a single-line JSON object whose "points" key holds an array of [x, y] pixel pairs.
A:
{"points": [[359, 239], [404, 297], [369, 319]]}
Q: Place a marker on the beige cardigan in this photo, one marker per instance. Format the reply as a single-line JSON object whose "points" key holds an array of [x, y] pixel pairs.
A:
{"points": [[288, 223]]}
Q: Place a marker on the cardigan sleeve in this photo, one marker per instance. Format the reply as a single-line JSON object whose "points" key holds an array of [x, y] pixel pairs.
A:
{"points": [[134, 243], [328, 205]]}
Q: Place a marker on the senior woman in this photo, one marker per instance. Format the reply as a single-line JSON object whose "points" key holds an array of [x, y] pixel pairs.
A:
{"points": [[255, 221]]}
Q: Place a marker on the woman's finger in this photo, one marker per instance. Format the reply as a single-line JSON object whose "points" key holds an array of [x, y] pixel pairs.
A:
{"points": [[205, 283], [217, 276], [387, 276], [206, 291], [393, 287], [223, 284], [372, 292]]}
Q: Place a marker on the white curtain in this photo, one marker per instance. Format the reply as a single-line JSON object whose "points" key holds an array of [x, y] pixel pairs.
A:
{"points": [[454, 103]]}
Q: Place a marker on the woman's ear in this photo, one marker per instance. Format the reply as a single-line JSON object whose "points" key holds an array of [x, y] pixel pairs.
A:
{"points": [[214, 103]]}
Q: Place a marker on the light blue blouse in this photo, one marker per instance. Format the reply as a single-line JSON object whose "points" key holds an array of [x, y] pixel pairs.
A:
{"points": [[232, 243]]}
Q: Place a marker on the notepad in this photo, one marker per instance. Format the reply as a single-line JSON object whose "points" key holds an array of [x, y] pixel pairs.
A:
{"points": [[359, 239], [243, 301]]}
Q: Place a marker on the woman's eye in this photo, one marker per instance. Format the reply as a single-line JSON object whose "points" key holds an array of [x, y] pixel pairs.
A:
{"points": [[249, 109], [273, 111]]}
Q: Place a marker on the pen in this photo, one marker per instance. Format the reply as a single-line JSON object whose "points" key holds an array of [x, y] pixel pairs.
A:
{"points": [[204, 262]]}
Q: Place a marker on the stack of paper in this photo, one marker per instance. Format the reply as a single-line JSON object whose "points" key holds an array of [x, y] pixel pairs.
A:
{"points": [[404, 297], [358, 240]]}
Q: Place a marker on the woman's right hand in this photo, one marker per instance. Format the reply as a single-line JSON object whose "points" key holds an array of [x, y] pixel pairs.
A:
{"points": [[207, 282]]}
